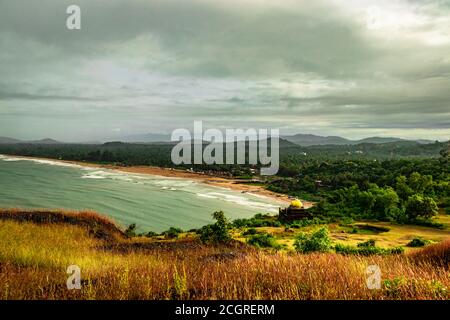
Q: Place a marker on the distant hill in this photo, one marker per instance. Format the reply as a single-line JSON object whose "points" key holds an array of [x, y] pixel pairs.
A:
{"points": [[378, 140], [143, 138], [44, 141], [6, 140], [311, 140]]}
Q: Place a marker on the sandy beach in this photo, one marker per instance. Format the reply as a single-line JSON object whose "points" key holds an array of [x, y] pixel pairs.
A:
{"points": [[233, 184]]}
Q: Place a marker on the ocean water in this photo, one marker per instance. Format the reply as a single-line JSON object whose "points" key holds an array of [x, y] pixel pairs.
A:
{"points": [[152, 202]]}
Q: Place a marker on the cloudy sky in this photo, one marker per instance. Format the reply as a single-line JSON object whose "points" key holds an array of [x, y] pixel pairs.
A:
{"points": [[353, 68]]}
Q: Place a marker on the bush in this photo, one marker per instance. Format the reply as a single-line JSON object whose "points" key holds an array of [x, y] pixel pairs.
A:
{"points": [[218, 232], [367, 244], [250, 232], [263, 240], [366, 249], [317, 241], [309, 222], [172, 232], [395, 250], [131, 230], [417, 242]]}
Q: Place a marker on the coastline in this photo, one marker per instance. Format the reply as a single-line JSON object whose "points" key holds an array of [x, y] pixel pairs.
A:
{"points": [[233, 184]]}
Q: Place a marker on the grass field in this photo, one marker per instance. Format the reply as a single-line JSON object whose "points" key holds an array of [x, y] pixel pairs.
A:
{"points": [[396, 235], [36, 249]]}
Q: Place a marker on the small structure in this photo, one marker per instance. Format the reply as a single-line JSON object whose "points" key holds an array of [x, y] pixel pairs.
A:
{"points": [[318, 183], [295, 211]]}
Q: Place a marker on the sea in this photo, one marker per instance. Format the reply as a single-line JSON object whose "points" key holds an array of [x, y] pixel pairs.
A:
{"points": [[153, 203]]}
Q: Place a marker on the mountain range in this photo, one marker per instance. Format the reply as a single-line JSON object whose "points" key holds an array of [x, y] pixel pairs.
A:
{"points": [[7, 140], [298, 139], [311, 139]]}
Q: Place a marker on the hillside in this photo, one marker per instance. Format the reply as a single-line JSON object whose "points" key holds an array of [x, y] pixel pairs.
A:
{"points": [[36, 248]]}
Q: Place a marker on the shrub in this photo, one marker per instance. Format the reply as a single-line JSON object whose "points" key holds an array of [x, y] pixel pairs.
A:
{"points": [[250, 232], [131, 230], [417, 242], [263, 240], [218, 232], [393, 287], [366, 249], [151, 234], [345, 221], [172, 232], [317, 241], [309, 222], [395, 250], [367, 244], [258, 220]]}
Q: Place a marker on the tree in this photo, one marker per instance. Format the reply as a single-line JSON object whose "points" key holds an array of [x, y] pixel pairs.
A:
{"points": [[386, 199], [402, 187], [218, 232], [420, 206], [419, 183], [444, 153], [365, 200]]}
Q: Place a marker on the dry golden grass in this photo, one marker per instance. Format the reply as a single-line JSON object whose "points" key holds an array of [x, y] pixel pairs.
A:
{"points": [[100, 226], [34, 258], [436, 255]]}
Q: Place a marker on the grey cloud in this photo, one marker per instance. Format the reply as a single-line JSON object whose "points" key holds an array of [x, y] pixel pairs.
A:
{"points": [[202, 38], [30, 96], [153, 65]]}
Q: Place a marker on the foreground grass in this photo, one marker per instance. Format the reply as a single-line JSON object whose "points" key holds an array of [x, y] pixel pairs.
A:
{"points": [[34, 257]]}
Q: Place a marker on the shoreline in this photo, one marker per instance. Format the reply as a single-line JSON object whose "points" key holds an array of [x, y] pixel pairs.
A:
{"points": [[233, 184]]}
